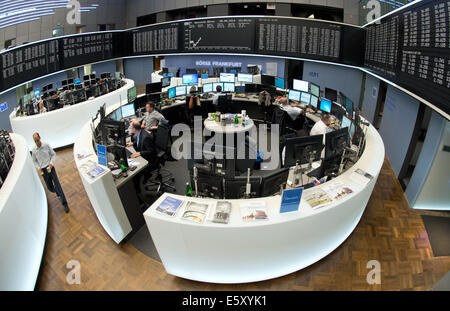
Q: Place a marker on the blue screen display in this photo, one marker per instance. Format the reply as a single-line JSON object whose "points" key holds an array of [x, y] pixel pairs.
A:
{"points": [[305, 98], [77, 81], [325, 105], [228, 87], [171, 92], [208, 87], [279, 83], [204, 76], [190, 78], [245, 77], [294, 95]]}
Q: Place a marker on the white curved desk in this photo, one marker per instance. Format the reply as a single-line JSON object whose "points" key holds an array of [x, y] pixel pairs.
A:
{"points": [[217, 127], [241, 252], [23, 222], [60, 127]]}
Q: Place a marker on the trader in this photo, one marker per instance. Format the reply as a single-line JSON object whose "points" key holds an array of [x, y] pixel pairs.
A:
{"points": [[216, 96], [152, 117], [44, 160], [322, 126], [293, 112]]}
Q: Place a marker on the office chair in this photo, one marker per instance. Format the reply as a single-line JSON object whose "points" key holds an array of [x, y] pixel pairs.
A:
{"points": [[162, 148], [279, 117], [222, 103]]}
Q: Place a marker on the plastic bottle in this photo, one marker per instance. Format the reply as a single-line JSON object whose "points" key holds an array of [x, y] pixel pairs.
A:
{"points": [[236, 119], [123, 168], [188, 190]]}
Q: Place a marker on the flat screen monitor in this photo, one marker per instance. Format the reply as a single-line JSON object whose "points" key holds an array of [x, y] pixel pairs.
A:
{"points": [[190, 78], [237, 188], [331, 94], [314, 101], [294, 95], [77, 81], [180, 90], [349, 106], [245, 77], [204, 76], [50, 87], [207, 87], [226, 77], [128, 110], [346, 122], [267, 80], [335, 143], [64, 82], [189, 87], [302, 149], [337, 111], [132, 94], [279, 82], [92, 76], [305, 98], [325, 105], [165, 82], [240, 89], [228, 87], [171, 92], [314, 89], [36, 93], [44, 89], [70, 81], [215, 84], [103, 75], [153, 87], [87, 83], [118, 114], [271, 183], [86, 77], [300, 85]]}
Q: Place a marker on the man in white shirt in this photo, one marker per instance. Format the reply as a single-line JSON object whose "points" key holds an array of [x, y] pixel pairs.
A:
{"points": [[44, 159], [293, 112], [322, 127]]}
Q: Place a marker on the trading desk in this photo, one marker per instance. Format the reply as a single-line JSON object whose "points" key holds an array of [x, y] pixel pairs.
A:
{"points": [[60, 127]]}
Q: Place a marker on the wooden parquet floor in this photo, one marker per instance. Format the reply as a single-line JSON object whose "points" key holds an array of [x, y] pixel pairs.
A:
{"points": [[389, 231]]}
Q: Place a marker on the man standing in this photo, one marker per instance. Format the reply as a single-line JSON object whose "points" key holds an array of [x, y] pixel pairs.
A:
{"points": [[152, 118], [44, 160]]}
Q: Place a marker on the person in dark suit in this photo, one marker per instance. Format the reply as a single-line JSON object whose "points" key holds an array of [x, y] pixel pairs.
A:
{"points": [[143, 143]]}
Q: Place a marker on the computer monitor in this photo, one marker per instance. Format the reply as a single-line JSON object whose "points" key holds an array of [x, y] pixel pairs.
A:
{"points": [[314, 89], [44, 90], [305, 98], [207, 88], [204, 76], [92, 75], [245, 77], [180, 90], [86, 77], [132, 94], [303, 149], [50, 87], [314, 101], [227, 77], [77, 81], [165, 82], [240, 89], [335, 142], [119, 114], [237, 188], [215, 84], [118, 153], [153, 87], [190, 78], [349, 106], [103, 75], [208, 185], [294, 95], [87, 83], [271, 183], [70, 81], [128, 110], [36, 93], [228, 87], [279, 83], [325, 105], [188, 88], [331, 94], [251, 88], [300, 85], [337, 111], [171, 92], [347, 123], [113, 132], [117, 75], [267, 80]]}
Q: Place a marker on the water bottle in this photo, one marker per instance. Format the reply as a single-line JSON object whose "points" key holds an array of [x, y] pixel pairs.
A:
{"points": [[123, 168], [188, 190]]}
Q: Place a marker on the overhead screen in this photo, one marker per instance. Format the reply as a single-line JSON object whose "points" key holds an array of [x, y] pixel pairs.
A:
{"points": [[412, 49]]}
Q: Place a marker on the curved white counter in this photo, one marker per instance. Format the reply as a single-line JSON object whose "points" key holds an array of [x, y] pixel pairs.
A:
{"points": [[242, 252], [61, 127], [23, 222]]}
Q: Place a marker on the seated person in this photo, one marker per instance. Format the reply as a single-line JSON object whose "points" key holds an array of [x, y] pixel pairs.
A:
{"points": [[322, 127], [42, 108], [194, 103], [216, 96], [292, 111], [152, 117]]}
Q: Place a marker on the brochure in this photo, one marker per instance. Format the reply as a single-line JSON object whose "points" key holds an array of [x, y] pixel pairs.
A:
{"points": [[318, 199], [337, 190], [96, 171], [169, 206], [253, 211], [195, 211], [290, 201], [221, 212], [361, 177]]}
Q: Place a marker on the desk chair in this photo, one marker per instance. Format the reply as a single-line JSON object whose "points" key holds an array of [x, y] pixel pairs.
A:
{"points": [[222, 103], [279, 117], [162, 148]]}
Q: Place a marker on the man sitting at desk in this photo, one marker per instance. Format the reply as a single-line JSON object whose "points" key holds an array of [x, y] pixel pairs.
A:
{"points": [[322, 126], [152, 117], [216, 96], [292, 111], [143, 143]]}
